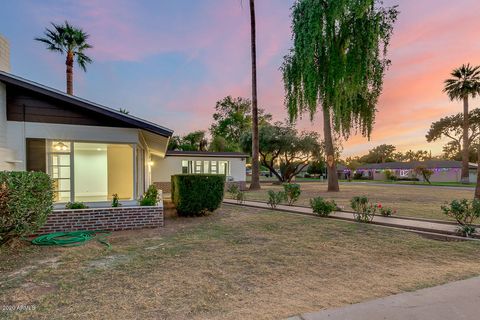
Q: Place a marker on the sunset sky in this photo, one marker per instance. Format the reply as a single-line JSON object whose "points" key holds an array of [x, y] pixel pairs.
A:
{"points": [[170, 61]]}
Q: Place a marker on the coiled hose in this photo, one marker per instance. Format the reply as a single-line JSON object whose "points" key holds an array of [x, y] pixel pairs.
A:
{"points": [[71, 239]]}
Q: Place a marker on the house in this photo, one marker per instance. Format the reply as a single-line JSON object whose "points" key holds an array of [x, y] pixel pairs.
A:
{"points": [[443, 170], [92, 151]]}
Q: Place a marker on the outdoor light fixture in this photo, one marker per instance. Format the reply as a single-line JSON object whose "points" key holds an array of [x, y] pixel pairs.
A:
{"points": [[60, 146]]}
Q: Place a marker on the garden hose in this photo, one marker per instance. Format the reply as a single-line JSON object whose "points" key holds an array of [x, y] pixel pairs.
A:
{"points": [[71, 239]]}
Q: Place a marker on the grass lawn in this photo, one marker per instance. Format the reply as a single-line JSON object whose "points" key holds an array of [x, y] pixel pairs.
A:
{"points": [[238, 263], [413, 201]]}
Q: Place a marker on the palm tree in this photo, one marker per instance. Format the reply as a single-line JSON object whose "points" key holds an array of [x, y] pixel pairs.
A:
{"points": [[255, 183], [465, 83], [72, 42]]}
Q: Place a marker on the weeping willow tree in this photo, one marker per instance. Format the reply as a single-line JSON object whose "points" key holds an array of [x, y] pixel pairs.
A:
{"points": [[337, 63]]}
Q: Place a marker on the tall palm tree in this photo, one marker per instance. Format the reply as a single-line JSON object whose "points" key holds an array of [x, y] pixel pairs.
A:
{"points": [[465, 83], [72, 42], [255, 183]]}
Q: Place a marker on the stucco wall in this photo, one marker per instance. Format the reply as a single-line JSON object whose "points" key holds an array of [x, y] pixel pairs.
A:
{"points": [[163, 169]]}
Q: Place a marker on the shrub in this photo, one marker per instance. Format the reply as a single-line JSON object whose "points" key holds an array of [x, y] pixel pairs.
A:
{"points": [[150, 196], [386, 211], [115, 201], [233, 190], [195, 194], [322, 207], [390, 175], [292, 192], [275, 198], [26, 200], [364, 210], [240, 196], [425, 172], [465, 212], [75, 205]]}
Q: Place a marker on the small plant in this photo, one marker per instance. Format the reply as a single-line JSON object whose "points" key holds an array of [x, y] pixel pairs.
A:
{"points": [[364, 210], [390, 175], [292, 192], [275, 198], [322, 207], [115, 201], [149, 198], [465, 212], [233, 190], [386, 211], [240, 196], [425, 172], [76, 205]]}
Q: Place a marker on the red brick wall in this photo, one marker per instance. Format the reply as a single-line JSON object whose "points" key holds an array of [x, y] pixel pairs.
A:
{"points": [[112, 219], [166, 186]]}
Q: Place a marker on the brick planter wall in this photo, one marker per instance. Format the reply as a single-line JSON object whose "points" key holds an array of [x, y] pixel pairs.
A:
{"points": [[111, 219]]}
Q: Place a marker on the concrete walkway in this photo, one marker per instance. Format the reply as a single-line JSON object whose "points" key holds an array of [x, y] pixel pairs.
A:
{"points": [[437, 227], [453, 301]]}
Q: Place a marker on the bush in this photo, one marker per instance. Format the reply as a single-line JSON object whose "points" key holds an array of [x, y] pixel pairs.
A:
{"points": [[115, 201], [364, 210], [150, 196], [292, 192], [357, 175], [75, 205], [233, 190], [26, 200], [322, 207], [386, 211], [465, 212], [240, 196], [390, 175], [275, 198], [195, 194]]}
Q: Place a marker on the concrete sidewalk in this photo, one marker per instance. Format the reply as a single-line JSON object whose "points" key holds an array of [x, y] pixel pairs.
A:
{"points": [[437, 227], [453, 301]]}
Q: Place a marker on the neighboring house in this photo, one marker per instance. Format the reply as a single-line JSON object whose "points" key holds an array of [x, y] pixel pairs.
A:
{"points": [[443, 170], [92, 151], [231, 164]]}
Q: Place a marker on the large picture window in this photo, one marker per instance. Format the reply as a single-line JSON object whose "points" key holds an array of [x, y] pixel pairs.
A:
{"points": [[90, 172], [206, 166]]}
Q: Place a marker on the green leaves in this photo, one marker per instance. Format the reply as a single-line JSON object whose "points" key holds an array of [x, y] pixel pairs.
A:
{"points": [[465, 82], [338, 60]]}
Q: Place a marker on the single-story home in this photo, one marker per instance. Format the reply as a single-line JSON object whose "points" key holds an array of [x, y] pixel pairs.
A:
{"points": [[443, 170], [92, 151]]}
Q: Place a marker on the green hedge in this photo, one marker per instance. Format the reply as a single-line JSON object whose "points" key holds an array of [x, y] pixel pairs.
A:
{"points": [[26, 199], [195, 194]]}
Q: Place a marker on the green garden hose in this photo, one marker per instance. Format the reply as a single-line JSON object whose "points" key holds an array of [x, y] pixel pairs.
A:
{"points": [[70, 239]]}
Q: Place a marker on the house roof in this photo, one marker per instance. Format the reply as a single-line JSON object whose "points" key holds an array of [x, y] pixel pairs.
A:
{"points": [[205, 154], [116, 115], [413, 164]]}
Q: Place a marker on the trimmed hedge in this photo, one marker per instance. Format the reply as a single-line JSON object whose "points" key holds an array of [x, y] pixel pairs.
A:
{"points": [[26, 199], [195, 194]]}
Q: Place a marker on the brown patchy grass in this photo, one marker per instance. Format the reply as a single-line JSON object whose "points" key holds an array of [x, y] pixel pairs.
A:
{"points": [[410, 201], [239, 263]]}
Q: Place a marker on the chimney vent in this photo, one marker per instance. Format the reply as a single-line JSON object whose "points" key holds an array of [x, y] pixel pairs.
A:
{"points": [[4, 54]]}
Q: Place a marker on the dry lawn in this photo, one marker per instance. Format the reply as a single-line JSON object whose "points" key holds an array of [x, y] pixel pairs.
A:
{"points": [[238, 263], [411, 201]]}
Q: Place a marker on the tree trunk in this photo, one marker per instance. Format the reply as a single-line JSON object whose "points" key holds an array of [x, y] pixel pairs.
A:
{"points": [[465, 170], [477, 187], [330, 151], [69, 64], [255, 183]]}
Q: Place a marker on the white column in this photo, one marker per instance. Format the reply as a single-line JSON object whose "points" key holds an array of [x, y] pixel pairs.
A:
{"points": [[7, 156]]}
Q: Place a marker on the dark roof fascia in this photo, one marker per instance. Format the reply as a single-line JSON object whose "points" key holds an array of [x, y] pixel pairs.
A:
{"points": [[85, 104], [175, 153]]}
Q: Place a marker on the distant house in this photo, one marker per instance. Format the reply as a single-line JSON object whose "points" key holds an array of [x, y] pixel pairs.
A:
{"points": [[443, 170]]}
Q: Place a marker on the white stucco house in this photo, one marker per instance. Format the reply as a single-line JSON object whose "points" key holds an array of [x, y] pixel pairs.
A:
{"points": [[92, 151]]}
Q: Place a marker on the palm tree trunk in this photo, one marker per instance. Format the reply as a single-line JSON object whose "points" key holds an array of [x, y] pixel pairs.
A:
{"points": [[69, 64], [255, 183], [329, 149], [465, 170], [477, 187]]}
